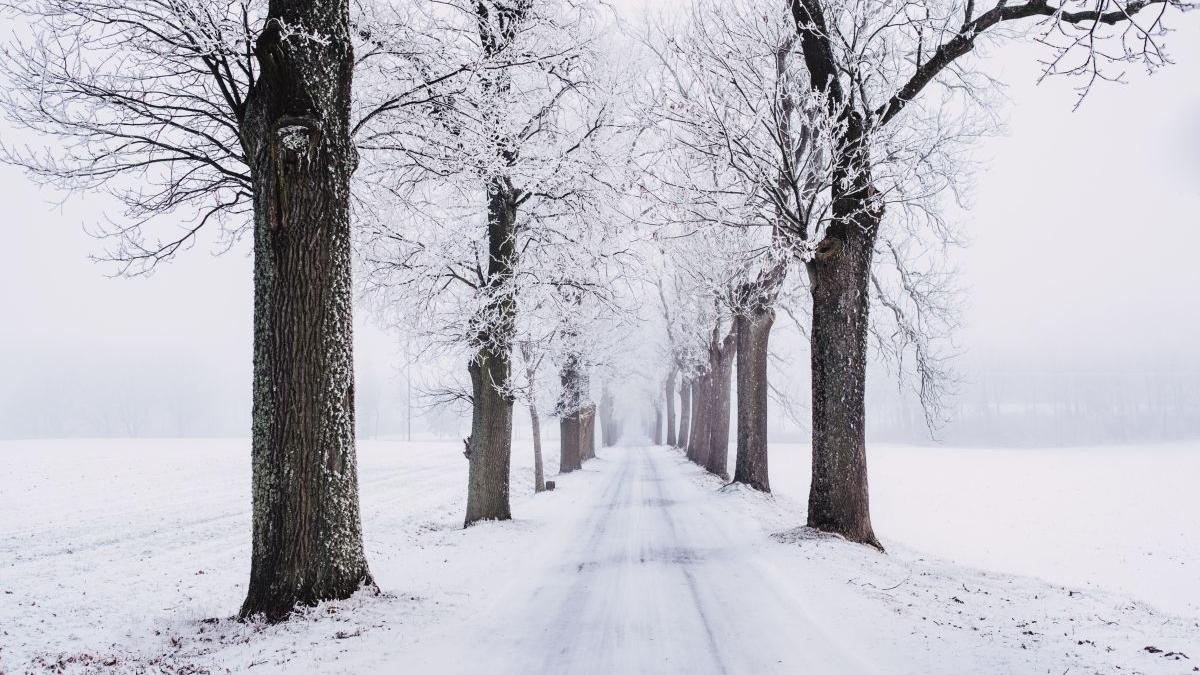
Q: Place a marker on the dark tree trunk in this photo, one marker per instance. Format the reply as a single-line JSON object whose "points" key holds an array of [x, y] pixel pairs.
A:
{"points": [[587, 433], [722, 357], [489, 447], [839, 275], [670, 395], [753, 328], [575, 417], [570, 434], [685, 412], [307, 535], [698, 436]]}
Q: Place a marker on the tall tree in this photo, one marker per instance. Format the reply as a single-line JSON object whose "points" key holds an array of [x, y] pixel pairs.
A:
{"points": [[500, 166], [307, 533], [203, 113], [870, 62]]}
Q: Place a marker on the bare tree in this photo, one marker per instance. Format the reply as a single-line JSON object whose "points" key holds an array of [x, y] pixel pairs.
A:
{"points": [[872, 64], [216, 111]]}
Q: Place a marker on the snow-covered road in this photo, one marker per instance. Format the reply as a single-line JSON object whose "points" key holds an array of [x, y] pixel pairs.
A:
{"points": [[646, 575], [130, 556]]}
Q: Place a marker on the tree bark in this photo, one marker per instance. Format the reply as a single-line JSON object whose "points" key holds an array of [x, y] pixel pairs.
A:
{"points": [[670, 395], [306, 534], [608, 422], [722, 356], [685, 412], [753, 334], [587, 433], [539, 476], [489, 447], [698, 436], [839, 275], [572, 415], [535, 420], [658, 423]]}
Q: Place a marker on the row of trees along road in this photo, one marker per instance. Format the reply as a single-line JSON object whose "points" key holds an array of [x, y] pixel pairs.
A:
{"points": [[513, 173]]}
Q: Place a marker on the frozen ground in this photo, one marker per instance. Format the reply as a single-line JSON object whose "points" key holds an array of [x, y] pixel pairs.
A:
{"points": [[130, 556]]}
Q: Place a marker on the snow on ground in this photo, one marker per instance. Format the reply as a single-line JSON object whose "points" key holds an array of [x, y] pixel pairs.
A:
{"points": [[130, 556]]}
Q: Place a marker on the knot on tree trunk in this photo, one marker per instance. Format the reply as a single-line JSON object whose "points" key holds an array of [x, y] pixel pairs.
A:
{"points": [[295, 141], [829, 249]]}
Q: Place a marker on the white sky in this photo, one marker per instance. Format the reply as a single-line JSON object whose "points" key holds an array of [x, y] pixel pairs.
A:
{"points": [[1084, 255]]}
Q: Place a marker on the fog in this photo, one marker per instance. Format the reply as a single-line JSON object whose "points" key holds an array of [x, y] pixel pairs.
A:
{"points": [[1081, 284]]}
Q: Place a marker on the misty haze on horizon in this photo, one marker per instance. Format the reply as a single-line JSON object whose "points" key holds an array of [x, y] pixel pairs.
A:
{"points": [[1080, 283]]}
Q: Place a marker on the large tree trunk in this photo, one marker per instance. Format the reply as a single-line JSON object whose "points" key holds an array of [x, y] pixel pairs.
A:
{"points": [[573, 417], [489, 447], [587, 433], [839, 275], [569, 433], [722, 357], [698, 436], [753, 328], [670, 394], [685, 412], [307, 536]]}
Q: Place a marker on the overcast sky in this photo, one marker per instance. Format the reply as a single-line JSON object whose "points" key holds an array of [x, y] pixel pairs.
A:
{"points": [[1083, 255]]}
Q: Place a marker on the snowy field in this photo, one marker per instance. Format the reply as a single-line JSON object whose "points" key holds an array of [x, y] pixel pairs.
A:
{"points": [[130, 556]]}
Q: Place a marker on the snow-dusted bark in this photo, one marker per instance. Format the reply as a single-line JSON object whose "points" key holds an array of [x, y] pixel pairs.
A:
{"points": [[753, 328], [721, 359], [307, 535], [489, 447]]}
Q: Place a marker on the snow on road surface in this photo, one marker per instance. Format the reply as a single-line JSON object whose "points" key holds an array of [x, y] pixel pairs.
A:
{"points": [[130, 556]]}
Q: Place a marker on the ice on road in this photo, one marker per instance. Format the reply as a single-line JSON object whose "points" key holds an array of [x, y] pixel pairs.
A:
{"points": [[645, 575]]}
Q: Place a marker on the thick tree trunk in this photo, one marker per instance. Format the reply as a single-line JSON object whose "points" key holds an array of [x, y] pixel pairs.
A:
{"points": [[306, 532], [685, 412], [839, 276], [753, 334], [722, 357], [670, 395], [587, 433], [698, 436], [570, 434], [574, 417], [489, 447]]}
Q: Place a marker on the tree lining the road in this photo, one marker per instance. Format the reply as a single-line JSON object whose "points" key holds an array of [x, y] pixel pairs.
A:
{"points": [[628, 213]]}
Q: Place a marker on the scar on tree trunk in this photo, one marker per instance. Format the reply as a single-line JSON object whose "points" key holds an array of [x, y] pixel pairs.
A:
{"points": [[306, 529]]}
